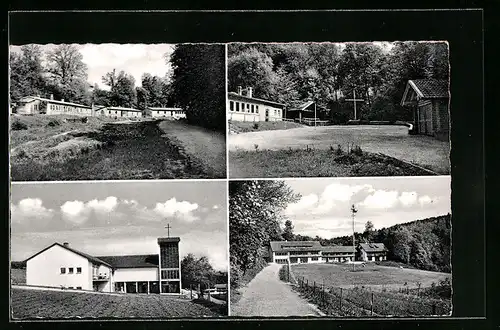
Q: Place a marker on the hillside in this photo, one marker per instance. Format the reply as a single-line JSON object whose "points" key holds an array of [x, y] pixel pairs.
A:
{"points": [[423, 244]]}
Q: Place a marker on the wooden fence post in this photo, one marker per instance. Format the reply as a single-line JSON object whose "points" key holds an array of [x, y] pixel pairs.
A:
{"points": [[371, 306], [314, 287]]}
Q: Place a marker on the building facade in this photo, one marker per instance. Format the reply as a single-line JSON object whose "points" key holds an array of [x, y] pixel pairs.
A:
{"points": [[119, 112], [372, 251], [428, 100], [161, 112], [32, 105], [242, 106], [61, 266], [297, 252]]}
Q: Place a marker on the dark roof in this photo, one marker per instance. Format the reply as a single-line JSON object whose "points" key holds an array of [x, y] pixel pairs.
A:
{"points": [[373, 247], [163, 108], [132, 261], [85, 255], [282, 246], [168, 240], [221, 286], [430, 88], [237, 96], [121, 109], [337, 249]]}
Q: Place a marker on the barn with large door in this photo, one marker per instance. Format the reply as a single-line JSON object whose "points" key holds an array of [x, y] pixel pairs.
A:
{"points": [[428, 99]]}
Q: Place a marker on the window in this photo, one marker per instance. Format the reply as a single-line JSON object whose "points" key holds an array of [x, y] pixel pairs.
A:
{"points": [[248, 106], [70, 270], [78, 287], [78, 270], [169, 274], [237, 106], [314, 258], [70, 287], [257, 108], [252, 109], [231, 105], [63, 270]]}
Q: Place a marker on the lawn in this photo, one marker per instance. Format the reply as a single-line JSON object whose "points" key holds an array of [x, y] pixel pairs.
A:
{"points": [[370, 276], [244, 127], [47, 304], [18, 276], [393, 141], [316, 163], [100, 151]]}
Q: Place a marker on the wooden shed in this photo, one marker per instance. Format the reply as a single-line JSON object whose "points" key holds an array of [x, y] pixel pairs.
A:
{"points": [[429, 99]]}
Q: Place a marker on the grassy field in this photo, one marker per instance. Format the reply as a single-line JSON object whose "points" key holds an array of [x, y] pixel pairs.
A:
{"points": [[36, 304], [370, 276], [315, 163], [98, 150], [18, 276], [244, 127], [390, 140], [371, 290]]}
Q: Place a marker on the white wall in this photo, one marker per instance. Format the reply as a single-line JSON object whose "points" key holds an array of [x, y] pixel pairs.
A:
{"points": [[245, 114], [45, 269], [242, 116], [135, 274]]}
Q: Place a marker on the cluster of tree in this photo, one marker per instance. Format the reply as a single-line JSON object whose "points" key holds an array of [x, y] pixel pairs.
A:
{"points": [[255, 218], [326, 73], [424, 244], [62, 73], [198, 84], [198, 271]]}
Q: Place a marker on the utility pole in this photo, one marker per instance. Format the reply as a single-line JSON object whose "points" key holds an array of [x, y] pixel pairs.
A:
{"points": [[353, 213], [314, 113]]}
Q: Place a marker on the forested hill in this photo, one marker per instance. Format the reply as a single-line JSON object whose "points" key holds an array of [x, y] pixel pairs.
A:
{"points": [[424, 244]]}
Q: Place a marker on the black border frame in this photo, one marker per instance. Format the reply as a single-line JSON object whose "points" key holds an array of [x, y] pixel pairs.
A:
{"points": [[463, 29]]}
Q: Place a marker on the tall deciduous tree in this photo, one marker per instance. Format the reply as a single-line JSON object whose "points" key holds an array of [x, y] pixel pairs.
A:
{"points": [[196, 271], [26, 72], [198, 84], [288, 231], [122, 93]]}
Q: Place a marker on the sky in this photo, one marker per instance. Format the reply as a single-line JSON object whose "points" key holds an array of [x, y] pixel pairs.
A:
{"points": [[324, 208], [118, 218], [134, 59]]}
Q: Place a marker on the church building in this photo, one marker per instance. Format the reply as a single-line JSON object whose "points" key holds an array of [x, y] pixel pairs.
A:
{"points": [[62, 266]]}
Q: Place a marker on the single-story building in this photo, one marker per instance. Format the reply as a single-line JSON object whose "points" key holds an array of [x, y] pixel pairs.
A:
{"points": [[302, 111], [338, 253], [372, 251], [119, 112], [164, 112], [242, 106], [60, 265], [31, 105], [429, 101]]}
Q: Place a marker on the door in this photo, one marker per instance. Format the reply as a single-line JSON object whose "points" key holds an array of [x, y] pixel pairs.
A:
{"points": [[267, 114], [425, 119]]}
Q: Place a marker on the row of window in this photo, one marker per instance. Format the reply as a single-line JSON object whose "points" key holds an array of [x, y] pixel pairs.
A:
{"points": [[171, 274], [311, 253], [176, 112], [57, 107], [71, 270], [245, 107]]}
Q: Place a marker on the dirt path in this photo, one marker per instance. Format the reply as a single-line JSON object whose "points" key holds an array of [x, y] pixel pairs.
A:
{"points": [[207, 146], [266, 295], [393, 141]]}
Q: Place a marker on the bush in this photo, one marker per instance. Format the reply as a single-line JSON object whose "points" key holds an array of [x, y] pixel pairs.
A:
{"points": [[53, 123], [357, 151], [18, 126], [339, 151], [256, 126]]}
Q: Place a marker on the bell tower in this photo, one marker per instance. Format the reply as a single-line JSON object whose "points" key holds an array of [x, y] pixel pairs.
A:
{"points": [[170, 265]]}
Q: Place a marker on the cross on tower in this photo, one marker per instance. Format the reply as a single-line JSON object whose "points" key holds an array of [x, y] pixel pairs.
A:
{"points": [[354, 100], [168, 229]]}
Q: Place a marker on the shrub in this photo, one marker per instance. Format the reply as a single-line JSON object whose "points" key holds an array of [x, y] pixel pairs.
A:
{"points": [[18, 126], [53, 123], [255, 125], [256, 146], [357, 151], [339, 151]]}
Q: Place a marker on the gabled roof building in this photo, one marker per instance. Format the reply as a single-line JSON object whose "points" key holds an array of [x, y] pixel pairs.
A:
{"points": [[243, 106], [60, 265]]}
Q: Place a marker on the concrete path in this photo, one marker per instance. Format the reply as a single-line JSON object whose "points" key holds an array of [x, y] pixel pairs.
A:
{"points": [[209, 147], [390, 140], [266, 295]]}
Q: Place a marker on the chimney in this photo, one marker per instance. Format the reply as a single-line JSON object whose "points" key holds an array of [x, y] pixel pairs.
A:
{"points": [[240, 90], [66, 244], [62, 100], [249, 91], [51, 96]]}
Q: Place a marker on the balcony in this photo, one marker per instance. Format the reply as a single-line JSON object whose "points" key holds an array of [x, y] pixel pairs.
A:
{"points": [[100, 277]]}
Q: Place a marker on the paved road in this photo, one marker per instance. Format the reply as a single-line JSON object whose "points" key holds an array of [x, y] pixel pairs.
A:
{"points": [[391, 140], [207, 146], [266, 295]]}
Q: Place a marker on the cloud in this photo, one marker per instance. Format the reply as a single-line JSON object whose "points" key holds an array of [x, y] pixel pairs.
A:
{"points": [[304, 203], [408, 198], [106, 205], [215, 207], [381, 199], [424, 200], [172, 208], [30, 207], [338, 193]]}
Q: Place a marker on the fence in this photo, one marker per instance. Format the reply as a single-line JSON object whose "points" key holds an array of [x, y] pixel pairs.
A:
{"points": [[362, 302]]}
